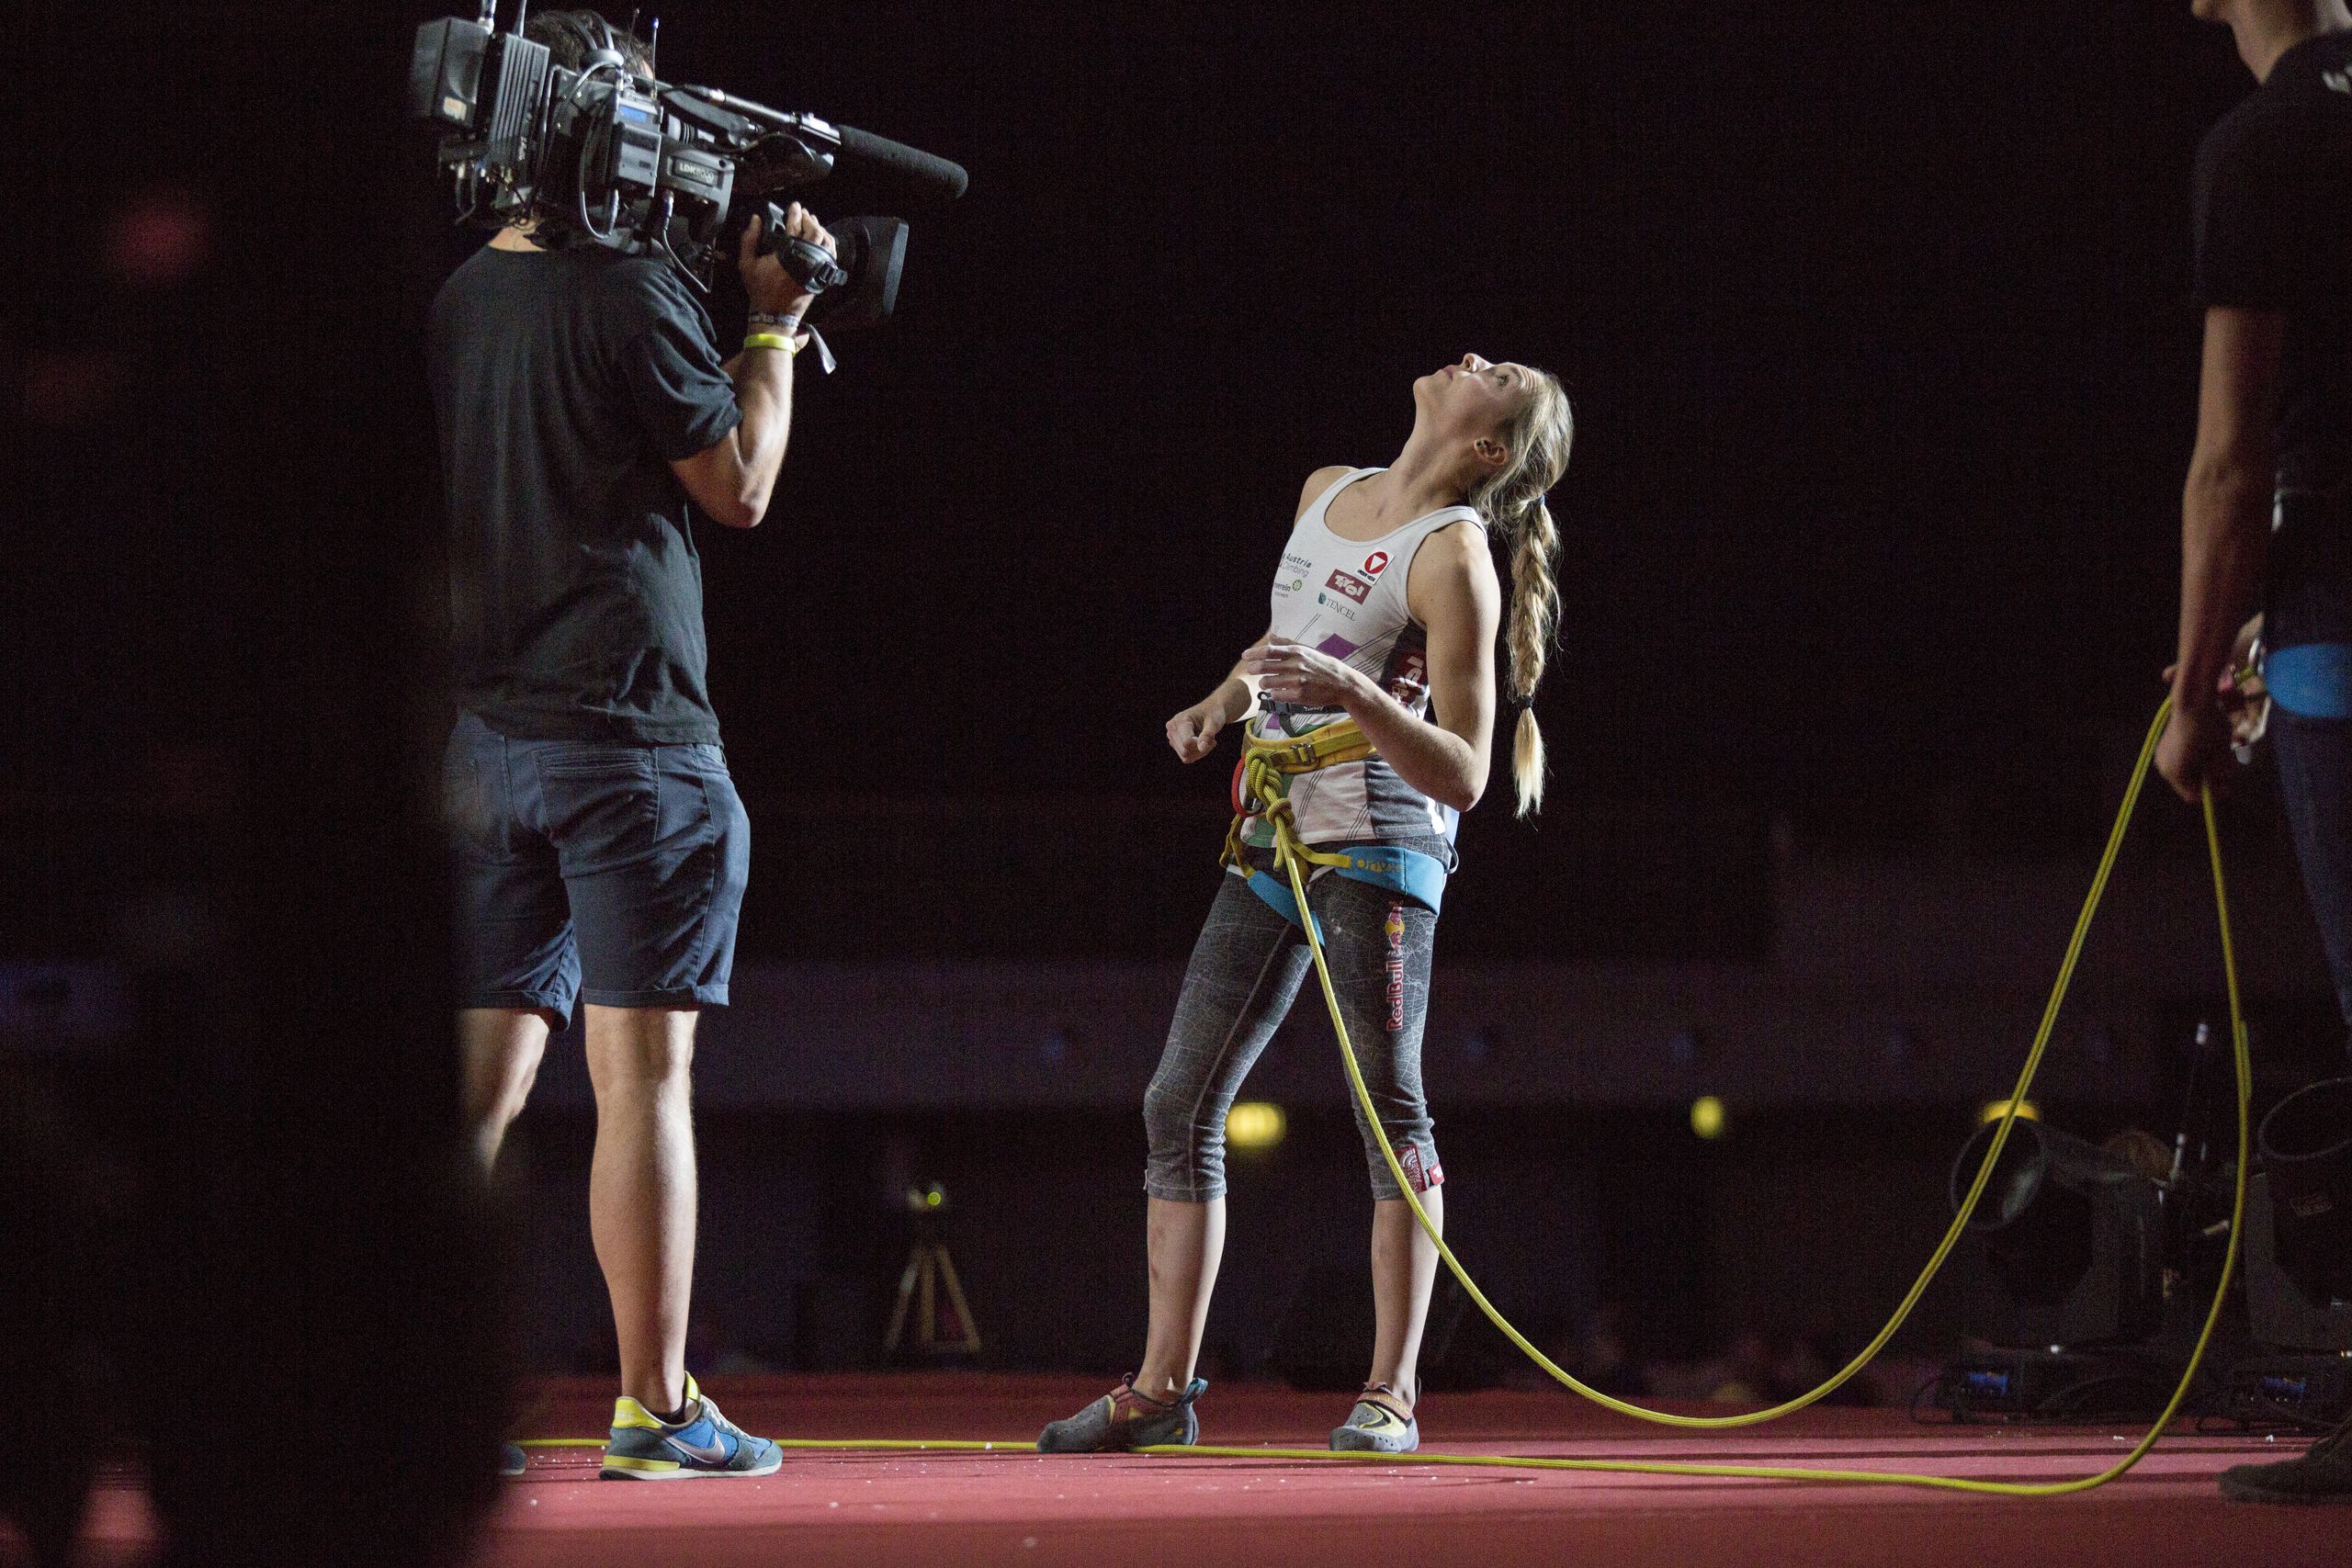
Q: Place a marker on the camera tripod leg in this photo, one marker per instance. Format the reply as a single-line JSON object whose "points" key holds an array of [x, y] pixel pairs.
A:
{"points": [[928, 1269]]}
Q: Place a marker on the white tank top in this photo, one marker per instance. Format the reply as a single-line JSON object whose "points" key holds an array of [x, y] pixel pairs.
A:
{"points": [[1346, 598]]}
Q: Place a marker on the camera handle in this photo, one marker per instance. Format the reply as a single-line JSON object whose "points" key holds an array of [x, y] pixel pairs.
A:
{"points": [[808, 262]]}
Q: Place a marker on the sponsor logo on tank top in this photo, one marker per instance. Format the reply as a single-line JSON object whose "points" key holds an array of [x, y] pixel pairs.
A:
{"points": [[1375, 563], [1355, 588]]}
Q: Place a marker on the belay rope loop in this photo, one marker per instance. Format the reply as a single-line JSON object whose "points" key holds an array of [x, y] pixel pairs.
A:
{"points": [[1261, 778]]}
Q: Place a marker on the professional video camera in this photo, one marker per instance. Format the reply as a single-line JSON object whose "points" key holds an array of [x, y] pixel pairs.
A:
{"points": [[606, 156]]}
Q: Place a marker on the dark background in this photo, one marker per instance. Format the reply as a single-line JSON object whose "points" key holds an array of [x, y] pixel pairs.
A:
{"points": [[1875, 319]]}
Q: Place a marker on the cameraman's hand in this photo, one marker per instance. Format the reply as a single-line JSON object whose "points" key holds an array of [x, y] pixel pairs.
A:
{"points": [[775, 291]]}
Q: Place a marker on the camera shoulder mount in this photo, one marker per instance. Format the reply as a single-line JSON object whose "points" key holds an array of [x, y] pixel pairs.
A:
{"points": [[607, 154]]}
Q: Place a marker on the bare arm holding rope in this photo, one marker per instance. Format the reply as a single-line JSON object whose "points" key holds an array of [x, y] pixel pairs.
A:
{"points": [[2224, 533]]}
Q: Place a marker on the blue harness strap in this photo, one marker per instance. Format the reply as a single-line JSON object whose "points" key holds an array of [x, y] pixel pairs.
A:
{"points": [[1417, 877], [1277, 894], [2310, 680]]}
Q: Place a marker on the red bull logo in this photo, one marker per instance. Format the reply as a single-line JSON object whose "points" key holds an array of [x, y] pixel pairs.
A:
{"points": [[1422, 1176], [1395, 929]]}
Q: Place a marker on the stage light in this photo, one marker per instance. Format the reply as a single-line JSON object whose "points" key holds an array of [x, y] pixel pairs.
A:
{"points": [[2299, 1262], [1994, 1110], [2069, 1244], [2072, 1235], [1255, 1124], [1707, 1116], [2299, 1222]]}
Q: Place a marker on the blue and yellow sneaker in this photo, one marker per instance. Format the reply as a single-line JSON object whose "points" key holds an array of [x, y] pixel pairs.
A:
{"points": [[706, 1446]]}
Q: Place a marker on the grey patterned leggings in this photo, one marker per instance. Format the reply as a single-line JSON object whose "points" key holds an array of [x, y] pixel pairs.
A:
{"points": [[1247, 968]]}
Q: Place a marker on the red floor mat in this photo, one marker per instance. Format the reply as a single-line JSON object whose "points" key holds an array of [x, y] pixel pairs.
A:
{"points": [[977, 1510]]}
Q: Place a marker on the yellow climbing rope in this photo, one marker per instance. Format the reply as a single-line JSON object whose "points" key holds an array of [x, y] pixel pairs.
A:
{"points": [[1292, 858]]}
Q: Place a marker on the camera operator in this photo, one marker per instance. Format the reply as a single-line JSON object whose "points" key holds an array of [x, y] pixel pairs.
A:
{"points": [[2267, 507], [601, 851]]}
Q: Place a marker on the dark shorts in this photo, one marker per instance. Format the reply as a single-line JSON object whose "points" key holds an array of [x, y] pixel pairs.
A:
{"points": [[593, 870]]}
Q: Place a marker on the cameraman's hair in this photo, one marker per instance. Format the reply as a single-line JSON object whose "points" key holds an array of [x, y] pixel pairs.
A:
{"points": [[1512, 501], [572, 35]]}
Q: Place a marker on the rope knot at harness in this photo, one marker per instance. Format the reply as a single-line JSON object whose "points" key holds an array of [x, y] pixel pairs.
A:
{"points": [[1261, 789]]}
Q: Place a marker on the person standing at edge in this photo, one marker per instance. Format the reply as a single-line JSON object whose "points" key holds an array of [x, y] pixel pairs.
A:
{"points": [[2268, 507], [601, 849]]}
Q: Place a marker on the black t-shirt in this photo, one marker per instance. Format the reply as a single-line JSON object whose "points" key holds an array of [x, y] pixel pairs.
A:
{"points": [[566, 382], [2274, 233]]}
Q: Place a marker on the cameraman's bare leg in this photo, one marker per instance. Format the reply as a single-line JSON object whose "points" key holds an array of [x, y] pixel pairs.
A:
{"points": [[499, 1054], [641, 1190]]}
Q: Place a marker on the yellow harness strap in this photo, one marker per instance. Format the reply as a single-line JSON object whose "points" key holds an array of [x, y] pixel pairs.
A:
{"points": [[1267, 767]]}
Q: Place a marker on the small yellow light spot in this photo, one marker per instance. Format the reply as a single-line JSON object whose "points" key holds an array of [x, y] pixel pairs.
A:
{"points": [[1255, 1124], [1707, 1116], [1994, 1110], [935, 1197]]}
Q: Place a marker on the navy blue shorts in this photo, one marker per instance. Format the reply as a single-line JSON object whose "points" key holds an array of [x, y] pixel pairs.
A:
{"points": [[593, 870]]}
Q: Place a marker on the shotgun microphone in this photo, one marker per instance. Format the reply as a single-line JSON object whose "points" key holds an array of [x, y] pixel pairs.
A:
{"points": [[926, 168], [822, 137]]}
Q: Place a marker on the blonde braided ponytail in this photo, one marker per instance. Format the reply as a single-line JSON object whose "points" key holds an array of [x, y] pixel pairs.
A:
{"points": [[1512, 501]]}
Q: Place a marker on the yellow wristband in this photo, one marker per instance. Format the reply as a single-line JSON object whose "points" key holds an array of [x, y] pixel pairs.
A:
{"points": [[772, 340]]}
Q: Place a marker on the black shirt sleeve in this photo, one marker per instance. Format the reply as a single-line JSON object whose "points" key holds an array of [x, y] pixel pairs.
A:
{"points": [[2251, 252], [670, 369]]}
